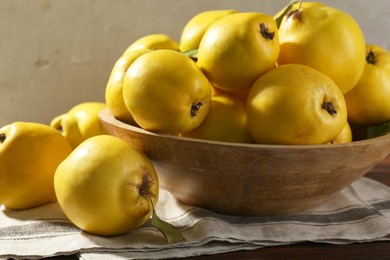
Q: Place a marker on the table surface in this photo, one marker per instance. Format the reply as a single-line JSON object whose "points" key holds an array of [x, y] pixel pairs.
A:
{"points": [[371, 250]]}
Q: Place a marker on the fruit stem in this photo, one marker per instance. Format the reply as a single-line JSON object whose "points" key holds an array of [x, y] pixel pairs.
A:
{"points": [[328, 106], [265, 33], [193, 54], [300, 5], [2, 137], [370, 58], [195, 108], [146, 183]]}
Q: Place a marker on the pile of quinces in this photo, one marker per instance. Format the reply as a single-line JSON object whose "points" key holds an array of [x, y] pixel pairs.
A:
{"points": [[302, 76]]}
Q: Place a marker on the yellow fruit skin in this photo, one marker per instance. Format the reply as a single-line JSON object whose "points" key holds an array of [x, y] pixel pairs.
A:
{"points": [[368, 102], [154, 42], [114, 88], [226, 121], [99, 186], [345, 136], [285, 106], [233, 53], [241, 95], [29, 156], [326, 39], [160, 89], [80, 122], [194, 30]]}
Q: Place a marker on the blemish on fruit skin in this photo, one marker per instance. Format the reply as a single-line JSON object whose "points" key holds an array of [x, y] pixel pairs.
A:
{"points": [[265, 33], [2, 138]]}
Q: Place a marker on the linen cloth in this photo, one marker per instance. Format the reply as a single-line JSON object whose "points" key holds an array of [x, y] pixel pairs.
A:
{"points": [[358, 213]]}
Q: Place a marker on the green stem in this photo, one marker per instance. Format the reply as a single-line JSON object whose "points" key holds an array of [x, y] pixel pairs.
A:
{"points": [[300, 4], [193, 54]]}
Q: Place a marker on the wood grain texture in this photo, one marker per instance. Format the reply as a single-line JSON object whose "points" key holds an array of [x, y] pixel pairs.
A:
{"points": [[251, 179]]}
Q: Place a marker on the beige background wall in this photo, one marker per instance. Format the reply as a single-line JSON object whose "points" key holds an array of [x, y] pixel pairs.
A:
{"points": [[55, 54]]}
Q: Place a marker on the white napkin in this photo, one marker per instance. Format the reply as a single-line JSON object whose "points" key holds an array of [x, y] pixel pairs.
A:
{"points": [[359, 213]]}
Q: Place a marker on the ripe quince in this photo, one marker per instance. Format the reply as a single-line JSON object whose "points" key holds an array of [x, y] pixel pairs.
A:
{"points": [[226, 121], [114, 88], [166, 92], [80, 122], [29, 155], [195, 28], [295, 104], [237, 49], [368, 102], [106, 186], [326, 39]]}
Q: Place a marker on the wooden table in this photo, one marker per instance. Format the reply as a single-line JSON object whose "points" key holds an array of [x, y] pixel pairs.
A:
{"points": [[372, 250]]}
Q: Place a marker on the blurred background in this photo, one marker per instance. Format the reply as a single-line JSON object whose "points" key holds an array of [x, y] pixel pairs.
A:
{"points": [[55, 54]]}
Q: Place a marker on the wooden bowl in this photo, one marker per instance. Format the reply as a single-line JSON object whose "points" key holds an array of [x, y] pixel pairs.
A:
{"points": [[251, 179]]}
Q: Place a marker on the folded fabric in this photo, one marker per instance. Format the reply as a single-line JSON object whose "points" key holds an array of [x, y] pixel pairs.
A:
{"points": [[358, 213]]}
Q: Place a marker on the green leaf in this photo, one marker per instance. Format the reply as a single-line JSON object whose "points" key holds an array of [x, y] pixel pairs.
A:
{"points": [[192, 53], [279, 19], [169, 231], [378, 130]]}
